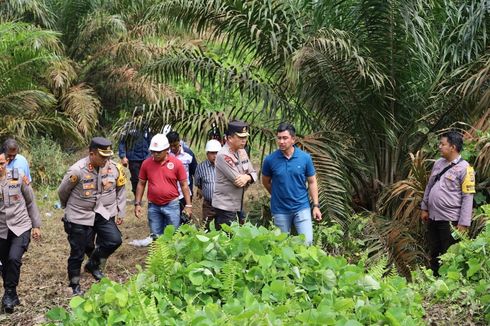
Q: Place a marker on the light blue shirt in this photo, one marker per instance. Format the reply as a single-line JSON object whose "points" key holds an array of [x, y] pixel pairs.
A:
{"points": [[20, 162]]}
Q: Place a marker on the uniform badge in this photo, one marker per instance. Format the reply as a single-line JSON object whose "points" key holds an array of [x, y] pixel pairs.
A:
{"points": [[468, 185], [87, 193], [73, 178], [229, 161], [170, 166]]}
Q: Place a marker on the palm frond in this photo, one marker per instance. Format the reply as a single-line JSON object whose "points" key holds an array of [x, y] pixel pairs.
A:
{"points": [[81, 105], [271, 30], [29, 11]]}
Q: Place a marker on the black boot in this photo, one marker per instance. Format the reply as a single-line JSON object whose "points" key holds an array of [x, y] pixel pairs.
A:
{"points": [[94, 269], [75, 285], [10, 300]]}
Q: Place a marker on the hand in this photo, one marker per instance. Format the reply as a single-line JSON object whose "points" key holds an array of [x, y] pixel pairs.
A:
{"points": [[198, 193], [36, 234], [124, 161], [119, 220], [242, 180], [462, 228], [317, 215], [424, 215], [188, 211], [137, 211]]}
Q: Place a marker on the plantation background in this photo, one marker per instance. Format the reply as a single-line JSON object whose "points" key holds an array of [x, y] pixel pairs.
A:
{"points": [[369, 84]]}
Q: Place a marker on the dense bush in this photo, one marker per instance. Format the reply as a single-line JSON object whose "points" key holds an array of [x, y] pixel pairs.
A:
{"points": [[48, 162], [246, 275]]}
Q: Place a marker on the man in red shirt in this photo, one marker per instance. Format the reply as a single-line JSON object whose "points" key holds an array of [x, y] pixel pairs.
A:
{"points": [[162, 172]]}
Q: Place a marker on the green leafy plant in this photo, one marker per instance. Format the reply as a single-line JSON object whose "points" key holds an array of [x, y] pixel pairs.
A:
{"points": [[245, 275]]}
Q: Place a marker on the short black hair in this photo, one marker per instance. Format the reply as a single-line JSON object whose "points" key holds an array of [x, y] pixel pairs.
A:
{"points": [[286, 126], [454, 138], [173, 136], [10, 143]]}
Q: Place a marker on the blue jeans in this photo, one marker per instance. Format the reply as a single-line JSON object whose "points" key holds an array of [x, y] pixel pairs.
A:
{"points": [[302, 223], [159, 216]]}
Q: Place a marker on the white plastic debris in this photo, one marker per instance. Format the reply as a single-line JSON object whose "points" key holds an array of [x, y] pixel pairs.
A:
{"points": [[141, 242]]}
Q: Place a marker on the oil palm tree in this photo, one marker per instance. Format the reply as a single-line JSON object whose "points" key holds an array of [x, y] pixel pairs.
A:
{"points": [[26, 104]]}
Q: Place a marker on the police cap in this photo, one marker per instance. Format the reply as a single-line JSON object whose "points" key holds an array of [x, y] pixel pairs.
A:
{"points": [[103, 146], [238, 127]]}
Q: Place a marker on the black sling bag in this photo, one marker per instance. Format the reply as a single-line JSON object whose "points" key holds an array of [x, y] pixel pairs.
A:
{"points": [[439, 175]]}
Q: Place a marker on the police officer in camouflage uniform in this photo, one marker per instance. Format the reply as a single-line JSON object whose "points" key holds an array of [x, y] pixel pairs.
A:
{"points": [[448, 197], [234, 172], [93, 194], [18, 216]]}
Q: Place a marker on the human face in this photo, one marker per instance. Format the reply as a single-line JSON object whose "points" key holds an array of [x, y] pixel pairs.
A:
{"points": [[211, 156], [3, 165], [237, 142], [159, 156], [98, 160], [447, 150], [285, 141], [11, 154], [175, 147]]}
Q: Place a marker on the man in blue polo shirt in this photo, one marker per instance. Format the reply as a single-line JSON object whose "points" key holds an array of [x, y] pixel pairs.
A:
{"points": [[15, 160], [285, 174]]}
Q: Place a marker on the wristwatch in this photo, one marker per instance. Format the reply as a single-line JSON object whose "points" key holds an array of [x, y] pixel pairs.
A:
{"points": [[316, 205], [137, 203]]}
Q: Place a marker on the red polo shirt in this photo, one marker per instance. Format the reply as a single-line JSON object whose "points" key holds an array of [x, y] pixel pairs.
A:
{"points": [[162, 178]]}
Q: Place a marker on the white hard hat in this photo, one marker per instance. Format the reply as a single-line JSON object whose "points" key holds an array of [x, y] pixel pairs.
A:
{"points": [[213, 146], [159, 142]]}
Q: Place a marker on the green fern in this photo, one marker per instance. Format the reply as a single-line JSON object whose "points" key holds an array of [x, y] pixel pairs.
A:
{"points": [[160, 260], [379, 269], [228, 276]]}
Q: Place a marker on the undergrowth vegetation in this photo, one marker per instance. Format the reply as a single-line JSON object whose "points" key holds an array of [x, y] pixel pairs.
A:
{"points": [[246, 275]]}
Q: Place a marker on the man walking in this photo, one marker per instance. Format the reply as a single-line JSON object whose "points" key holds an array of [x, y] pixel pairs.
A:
{"points": [[234, 172], [448, 197], [204, 179], [93, 194], [133, 146], [19, 218], [162, 172], [285, 173]]}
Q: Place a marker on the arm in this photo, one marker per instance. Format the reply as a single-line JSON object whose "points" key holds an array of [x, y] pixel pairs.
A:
{"points": [[70, 180], [250, 177], [267, 182], [32, 209], [313, 190], [424, 205], [140, 190], [120, 193], [227, 167], [467, 193], [187, 196]]}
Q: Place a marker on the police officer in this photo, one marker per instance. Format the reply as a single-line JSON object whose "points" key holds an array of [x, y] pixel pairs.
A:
{"points": [[18, 216], [234, 172], [93, 194], [448, 197]]}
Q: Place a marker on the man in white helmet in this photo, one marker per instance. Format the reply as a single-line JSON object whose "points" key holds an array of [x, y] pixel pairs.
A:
{"points": [[162, 172], [204, 180]]}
